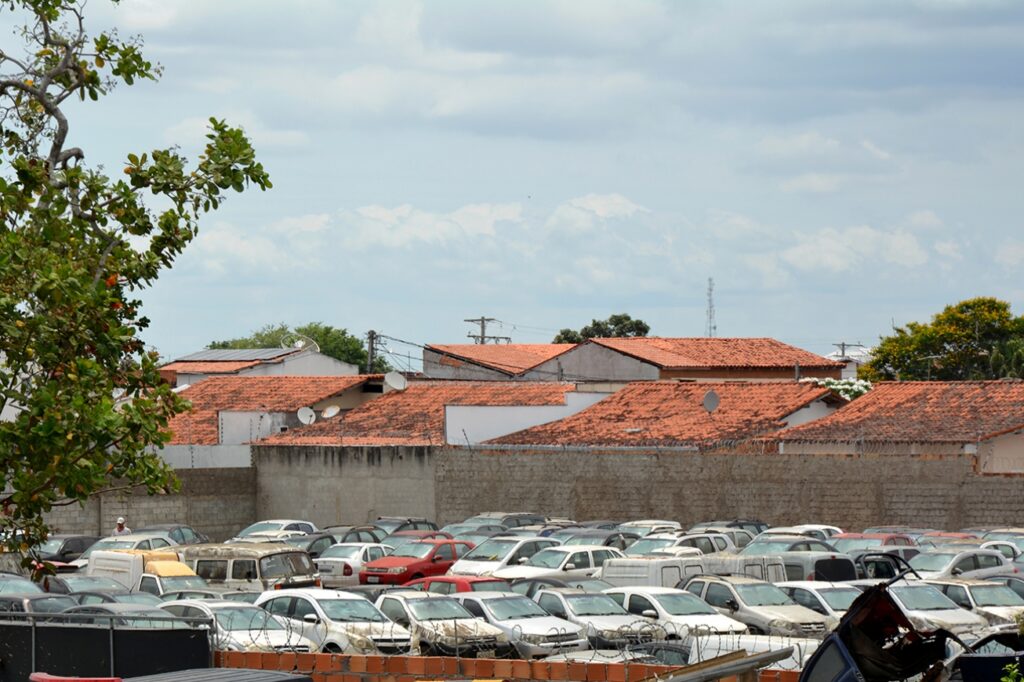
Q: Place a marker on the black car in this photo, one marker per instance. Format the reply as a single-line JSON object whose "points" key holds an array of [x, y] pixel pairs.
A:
{"points": [[63, 548], [180, 533], [34, 603], [608, 538], [314, 543], [88, 597]]}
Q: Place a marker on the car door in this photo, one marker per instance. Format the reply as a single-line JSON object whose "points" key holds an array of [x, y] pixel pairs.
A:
{"points": [[301, 608], [395, 611], [442, 560], [638, 604], [696, 587], [553, 605], [582, 566], [807, 599], [158, 543], [718, 597], [372, 554], [957, 595], [965, 567], [318, 546], [989, 564]]}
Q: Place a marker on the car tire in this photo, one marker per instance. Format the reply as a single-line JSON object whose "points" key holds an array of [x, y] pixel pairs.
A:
{"points": [[415, 577]]}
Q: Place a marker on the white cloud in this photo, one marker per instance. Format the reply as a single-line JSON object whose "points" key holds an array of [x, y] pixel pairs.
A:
{"points": [[404, 225], [1010, 254], [583, 214], [949, 248], [924, 219], [813, 183], [191, 132], [223, 248], [853, 248], [314, 222], [875, 150]]}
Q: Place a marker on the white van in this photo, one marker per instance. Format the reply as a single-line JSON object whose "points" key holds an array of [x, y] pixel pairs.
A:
{"points": [[137, 570], [768, 568], [651, 571]]}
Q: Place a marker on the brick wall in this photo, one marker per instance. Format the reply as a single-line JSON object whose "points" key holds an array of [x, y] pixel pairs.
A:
{"points": [[852, 491], [217, 502]]}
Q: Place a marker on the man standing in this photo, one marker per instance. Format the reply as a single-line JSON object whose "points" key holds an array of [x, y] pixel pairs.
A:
{"points": [[120, 528]]}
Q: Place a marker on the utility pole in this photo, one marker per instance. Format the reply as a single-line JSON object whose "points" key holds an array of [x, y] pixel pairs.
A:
{"points": [[482, 337], [710, 328], [371, 350], [843, 345]]}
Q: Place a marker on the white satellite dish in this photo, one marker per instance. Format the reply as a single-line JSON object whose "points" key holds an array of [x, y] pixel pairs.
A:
{"points": [[395, 381], [711, 401], [330, 412], [306, 415]]}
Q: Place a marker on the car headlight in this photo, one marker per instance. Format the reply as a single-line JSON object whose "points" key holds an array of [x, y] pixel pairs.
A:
{"points": [[532, 639], [780, 625], [611, 634], [395, 570]]}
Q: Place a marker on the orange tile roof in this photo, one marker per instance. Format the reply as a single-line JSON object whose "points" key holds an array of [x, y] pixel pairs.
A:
{"points": [[509, 358], [415, 416], [714, 352], [922, 412], [200, 426], [670, 413], [189, 367]]}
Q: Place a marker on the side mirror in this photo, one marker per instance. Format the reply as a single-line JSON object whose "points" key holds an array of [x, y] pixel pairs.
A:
{"points": [[569, 567], [732, 605], [957, 571], [311, 618], [437, 559], [404, 622], [649, 613], [522, 560]]}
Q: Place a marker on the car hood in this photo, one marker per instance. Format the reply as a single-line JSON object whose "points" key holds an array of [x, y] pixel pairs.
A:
{"points": [[628, 622], [392, 561], [363, 635], [516, 572], [548, 625], [999, 615], [703, 623], [793, 613], [955, 620], [456, 629], [266, 640], [464, 567]]}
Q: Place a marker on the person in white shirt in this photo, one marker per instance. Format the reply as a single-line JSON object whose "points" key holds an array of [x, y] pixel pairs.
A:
{"points": [[120, 528]]}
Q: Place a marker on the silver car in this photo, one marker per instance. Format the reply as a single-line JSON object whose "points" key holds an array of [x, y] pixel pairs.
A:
{"points": [[532, 631]]}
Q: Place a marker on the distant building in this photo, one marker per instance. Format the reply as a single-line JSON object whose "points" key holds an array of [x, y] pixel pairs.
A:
{"points": [[196, 367], [490, 362], [852, 357]]}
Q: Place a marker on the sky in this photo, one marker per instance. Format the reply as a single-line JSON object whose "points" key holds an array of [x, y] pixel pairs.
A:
{"points": [[837, 168]]}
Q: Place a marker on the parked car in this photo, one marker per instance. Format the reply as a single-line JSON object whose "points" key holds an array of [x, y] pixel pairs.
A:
{"points": [[1014, 582], [404, 537], [707, 543], [499, 552], [337, 622], [828, 599], [576, 561], [241, 627], [122, 615], [394, 524], [763, 607], [88, 597], [456, 529], [443, 626], [774, 544], [312, 544], [1014, 535], [208, 593], [180, 533], [11, 583], [606, 623], [339, 565], [600, 524], [449, 584], [507, 519], [810, 530], [66, 583], [644, 527], [154, 540], [350, 534], [972, 563], [34, 603], [249, 566], [680, 613], [412, 561], [753, 526], [997, 603], [63, 548], [277, 524], [846, 542], [151, 572], [529, 587], [929, 609], [533, 632], [740, 537]]}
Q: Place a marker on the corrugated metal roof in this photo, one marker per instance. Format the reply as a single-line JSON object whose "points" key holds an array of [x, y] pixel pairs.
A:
{"points": [[229, 354], [222, 675]]}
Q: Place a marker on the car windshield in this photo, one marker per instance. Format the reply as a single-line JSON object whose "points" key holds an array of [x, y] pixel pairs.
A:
{"points": [[51, 546], [285, 565], [260, 527], [638, 530], [53, 604], [456, 528], [474, 538], [79, 583], [1014, 538], [438, 609], [922, 598], [839, 598], [418, 550], [758, 594], [242, 618], [548, 558], [139, 598], [591, 585], [767, 547], [492, 550], [341, 552], [510, 608], [351, 611], [683, 604], [846, 544], [928, 561], [585, 540], [996, 595], [594, 605], [648, 545], [183, 582], [489, 586], [387, 526], [18, 585], [104, 545]]}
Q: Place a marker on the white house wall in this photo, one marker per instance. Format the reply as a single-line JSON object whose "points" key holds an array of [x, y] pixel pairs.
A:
{"points": [[471, 424], [303, 365], [808, 413], [592, 362]]}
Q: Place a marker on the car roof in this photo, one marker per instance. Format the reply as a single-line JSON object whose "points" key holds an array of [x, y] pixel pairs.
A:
{"points": [[784, 538], [314, 593], [811, 585], [966, 582], [212, 604], [732, 579], [486, 596], [574, 548], [461, 579], [119, 607], [647, 589]]}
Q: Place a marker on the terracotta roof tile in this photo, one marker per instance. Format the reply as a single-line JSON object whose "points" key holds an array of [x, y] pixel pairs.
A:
{"points": [[200, 426], [714, 352], [510, 358], [922, 412], [415, 416], [670, 413], [189, 367]]}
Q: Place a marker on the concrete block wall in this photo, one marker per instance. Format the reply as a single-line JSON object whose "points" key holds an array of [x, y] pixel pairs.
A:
{"points": [[217, 502]]}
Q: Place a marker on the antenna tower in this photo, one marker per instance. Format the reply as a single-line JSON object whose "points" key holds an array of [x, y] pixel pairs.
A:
{"points": [[482, 337], [711, 329]]}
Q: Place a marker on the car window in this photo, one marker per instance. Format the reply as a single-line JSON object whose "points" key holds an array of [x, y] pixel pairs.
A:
{"points": [[148, 584], [157, 543], [695, 587], [444, 553], [552, 605], [441, 587], [958, 594], [212, 569], [521, 588], [720, 543], [718, 595], [602, 555], [579, 560], [473, 607], [618, 597], [302, 608], [818, 547], [320, 545], [525, 551], [806, 599], [279, 606], [704, 545], [173, 609], [988, 561], [187, 534], [177, 536], [462, 548], [968, 563], [800, 547], [243, 569], [393, 609], [375, 553], [639, 604]]}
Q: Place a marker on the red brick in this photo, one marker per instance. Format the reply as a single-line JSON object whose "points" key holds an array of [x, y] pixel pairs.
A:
{"points": [[320, 677], [357, 664], [434, 666], [577, 671], [375, 664], [597, 672], [616, 672], [521, 670], [559, 670], [330, 663], [416, 665], [539, 670], [253, 659], [451, 666], [287, 661], [468, 667], [503, 669], [395, 665], [350, 678], [305, 662], [488, 668]]}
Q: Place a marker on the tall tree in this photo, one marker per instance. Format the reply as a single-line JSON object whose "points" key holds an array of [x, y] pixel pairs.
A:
{"points": [[978, 338], [335, 342], [615, 326], [81, 398]]}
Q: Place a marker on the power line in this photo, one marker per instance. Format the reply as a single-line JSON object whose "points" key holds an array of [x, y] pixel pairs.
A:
{"points": [[482, 337]]}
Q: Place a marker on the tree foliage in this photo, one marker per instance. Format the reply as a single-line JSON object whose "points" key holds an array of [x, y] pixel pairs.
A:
{"points": [[82, 399], [335, 342], [979, 338], [615, 326]]}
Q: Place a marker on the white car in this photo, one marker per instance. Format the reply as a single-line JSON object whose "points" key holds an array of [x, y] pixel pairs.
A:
{"points": [[132, 541], [707, 543], [277, 524], [680, 613], [647, 526], [996, 602], [828, 599], [817, 531], [497, 553], [241, 627], [971, 563], [576, 561], [337, 622], [443, 626], [339, 565], [929, 609], [765, 608], [530, 628], [608, 625]]}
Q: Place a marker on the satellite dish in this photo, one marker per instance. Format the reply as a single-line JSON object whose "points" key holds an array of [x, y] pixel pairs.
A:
{"points": [[395, 381], [306, 415], [330, 412], [711, 401]]}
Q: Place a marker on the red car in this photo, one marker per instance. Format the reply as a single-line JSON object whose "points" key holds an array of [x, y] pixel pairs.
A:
{"points": [[446, 584], [414, 560]]}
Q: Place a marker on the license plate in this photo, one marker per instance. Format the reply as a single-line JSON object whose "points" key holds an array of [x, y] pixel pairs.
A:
{"points": [[485, 653], [372, 579], [326, 569]]}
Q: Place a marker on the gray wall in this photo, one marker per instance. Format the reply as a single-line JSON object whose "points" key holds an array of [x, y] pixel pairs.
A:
{"points": [[590, 361], [453, 368]]}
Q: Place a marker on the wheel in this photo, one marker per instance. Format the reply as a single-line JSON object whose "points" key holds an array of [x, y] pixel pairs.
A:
{"points": [[416, 577]]}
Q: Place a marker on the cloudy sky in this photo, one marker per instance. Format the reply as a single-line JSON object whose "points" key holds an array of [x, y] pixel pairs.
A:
{"points": [[834, 166]]}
